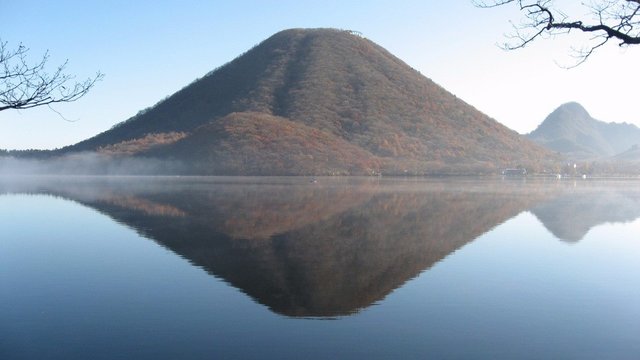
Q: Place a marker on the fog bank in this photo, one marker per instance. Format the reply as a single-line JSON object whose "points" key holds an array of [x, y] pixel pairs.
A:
{"points": [[88, 163]]}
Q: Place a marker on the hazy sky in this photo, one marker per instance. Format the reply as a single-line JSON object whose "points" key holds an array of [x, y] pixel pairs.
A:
{"points": [[150, 49]]}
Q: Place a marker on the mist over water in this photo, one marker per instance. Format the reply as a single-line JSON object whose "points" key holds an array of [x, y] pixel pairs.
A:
{"points": [[88, 163]]}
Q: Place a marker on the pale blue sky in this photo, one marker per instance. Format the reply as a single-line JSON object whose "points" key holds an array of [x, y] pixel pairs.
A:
{"points": [[150, 49]]}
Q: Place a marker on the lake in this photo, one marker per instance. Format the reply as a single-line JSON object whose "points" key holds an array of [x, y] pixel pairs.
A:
{"points": [[336, 268]]}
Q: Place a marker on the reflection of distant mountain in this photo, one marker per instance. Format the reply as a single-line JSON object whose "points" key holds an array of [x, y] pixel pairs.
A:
{"points": [[303, 249], [570, 215]]}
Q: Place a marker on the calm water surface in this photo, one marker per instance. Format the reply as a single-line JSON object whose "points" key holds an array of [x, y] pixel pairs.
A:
{"points": [[286, 268]]}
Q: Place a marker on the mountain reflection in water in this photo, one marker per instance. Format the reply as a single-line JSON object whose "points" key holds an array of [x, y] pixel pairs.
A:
{"points": [[333, 247], [571, 214]]}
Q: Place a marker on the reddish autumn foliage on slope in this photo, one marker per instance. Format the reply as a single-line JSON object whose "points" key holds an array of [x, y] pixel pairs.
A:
{"points": [[147, 142], [261, 144]]}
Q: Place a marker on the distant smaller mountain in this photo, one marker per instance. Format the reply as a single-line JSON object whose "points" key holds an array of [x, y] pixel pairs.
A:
{"points": [[570, 130]]}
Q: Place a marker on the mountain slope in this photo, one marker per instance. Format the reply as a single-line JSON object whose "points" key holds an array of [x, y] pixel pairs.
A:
{"points": [[338, 83], [260, 144], [632, 154], [571, 130]]}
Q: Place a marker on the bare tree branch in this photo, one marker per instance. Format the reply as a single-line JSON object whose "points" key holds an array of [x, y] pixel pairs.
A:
{"points": [[617, 20], [24, 85]]}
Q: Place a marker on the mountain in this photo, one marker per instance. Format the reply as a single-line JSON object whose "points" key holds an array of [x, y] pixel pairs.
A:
{"points": [[572, 131], [317, 101]]}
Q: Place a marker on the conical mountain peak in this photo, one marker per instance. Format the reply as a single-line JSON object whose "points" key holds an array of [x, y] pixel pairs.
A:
{"points": [[336, 82], [571, 111]]}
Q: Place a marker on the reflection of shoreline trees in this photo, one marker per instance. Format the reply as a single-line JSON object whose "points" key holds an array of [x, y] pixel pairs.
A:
{"points": [[332, 248]]}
